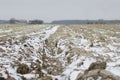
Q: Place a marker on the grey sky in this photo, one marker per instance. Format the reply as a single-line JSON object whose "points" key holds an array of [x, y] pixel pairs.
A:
{"points": [[49, 10]]}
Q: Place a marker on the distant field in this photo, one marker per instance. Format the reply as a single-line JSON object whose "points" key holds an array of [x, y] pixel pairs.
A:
{"points": [[57, 52]]}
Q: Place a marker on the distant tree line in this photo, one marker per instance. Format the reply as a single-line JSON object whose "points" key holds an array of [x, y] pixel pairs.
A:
{"points": [[16, 21], [36, 22], [39, 21], [100, 21]]}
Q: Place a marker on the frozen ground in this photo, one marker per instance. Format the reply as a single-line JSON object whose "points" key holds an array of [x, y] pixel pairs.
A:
{"points": [[59, 51]]}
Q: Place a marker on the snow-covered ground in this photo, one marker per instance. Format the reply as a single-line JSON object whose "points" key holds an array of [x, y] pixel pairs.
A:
{"points": [[62, 52]]}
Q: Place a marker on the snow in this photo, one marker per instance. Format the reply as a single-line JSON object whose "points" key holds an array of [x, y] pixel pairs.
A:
{"points": [[90, 78], [3, 74], [112, 47], [70, 71], [37, 39], [50, 32], [87, 62], [35, 42], [13, 73], [114, 70], [84, 42], [74, 75], [30, 76], [99, 78], [5, 31]]}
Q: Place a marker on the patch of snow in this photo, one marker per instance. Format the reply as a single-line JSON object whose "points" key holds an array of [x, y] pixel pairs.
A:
{"points": [[74, 75], [3, 74], [114, 70], [13, 73], [84, 42], [99, 78], [50, 32], [87, 62], [90, 78], [112, 47], [70, 71], [6, 31], [30, 76]]}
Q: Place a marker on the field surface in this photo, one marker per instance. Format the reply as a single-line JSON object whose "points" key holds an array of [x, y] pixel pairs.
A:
{"points": [[59, 52]]}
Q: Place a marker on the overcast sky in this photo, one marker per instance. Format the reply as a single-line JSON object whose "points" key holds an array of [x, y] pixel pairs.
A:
{"points": [[49, 10]]}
